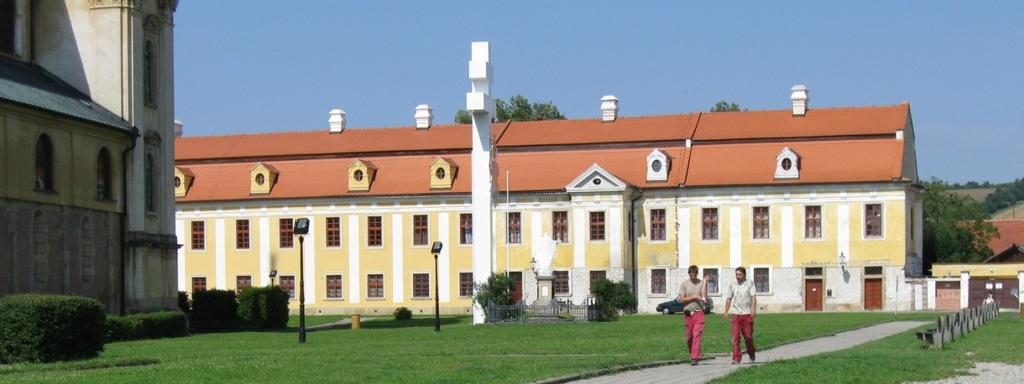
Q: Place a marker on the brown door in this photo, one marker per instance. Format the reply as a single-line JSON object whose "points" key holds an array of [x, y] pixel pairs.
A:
{"points": [[872, 294], [1002, 291], [813, 294], [947, 295], [517, 286]]}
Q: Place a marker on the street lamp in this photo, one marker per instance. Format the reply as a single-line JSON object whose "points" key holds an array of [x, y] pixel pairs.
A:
{"points": [[273, 274], [302, 228], [842, 261], [435, 249]]}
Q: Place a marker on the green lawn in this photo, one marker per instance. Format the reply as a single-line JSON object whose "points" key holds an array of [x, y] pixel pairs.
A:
{"points": [[897, 359], [390, 351]]}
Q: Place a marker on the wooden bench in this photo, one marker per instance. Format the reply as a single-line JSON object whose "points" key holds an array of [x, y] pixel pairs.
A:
{"points": [[952, 326]]}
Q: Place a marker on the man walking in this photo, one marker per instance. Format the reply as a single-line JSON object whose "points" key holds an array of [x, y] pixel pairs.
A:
{"points": [[691, 294], [740, 300]]}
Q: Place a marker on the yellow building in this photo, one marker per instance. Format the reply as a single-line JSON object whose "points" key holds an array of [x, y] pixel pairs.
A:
{"points": [[821, 206]]}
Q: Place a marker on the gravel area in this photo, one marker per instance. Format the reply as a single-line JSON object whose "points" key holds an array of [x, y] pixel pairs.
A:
{"points": [[989, 373]]}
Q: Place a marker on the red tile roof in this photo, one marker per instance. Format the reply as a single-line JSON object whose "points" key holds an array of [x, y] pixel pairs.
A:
{"points": [[1010, 232], [816, 123], [594, 131]]}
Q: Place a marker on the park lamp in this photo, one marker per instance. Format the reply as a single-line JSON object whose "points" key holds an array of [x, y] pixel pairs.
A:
{"points": [[273, 274], [842, 261], [301, 228], [435, 249], [533, 265]]}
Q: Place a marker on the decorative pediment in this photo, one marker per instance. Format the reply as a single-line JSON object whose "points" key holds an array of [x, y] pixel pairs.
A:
{"points": [[442, 173], [787, 164], [182, 181], [596, 179], [360, 175], [262, 178], [658, 164]]}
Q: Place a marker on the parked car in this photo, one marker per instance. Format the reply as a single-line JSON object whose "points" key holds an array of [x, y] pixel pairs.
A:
{"points": [[670, 307]]}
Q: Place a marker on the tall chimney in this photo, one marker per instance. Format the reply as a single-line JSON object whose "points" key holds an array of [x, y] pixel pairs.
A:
{"points": [[424, 116], [609, 108], [800, 98], [337, 120], [179, 128]]}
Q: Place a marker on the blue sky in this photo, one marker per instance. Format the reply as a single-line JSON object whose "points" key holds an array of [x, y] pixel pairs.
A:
{"points": [[260, 66]]}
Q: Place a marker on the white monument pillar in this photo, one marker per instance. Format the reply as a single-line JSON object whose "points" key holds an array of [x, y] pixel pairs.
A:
{"points": [[481, 106], [965, 288]]}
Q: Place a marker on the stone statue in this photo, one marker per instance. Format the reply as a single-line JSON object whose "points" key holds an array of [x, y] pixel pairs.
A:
{"points": [[544, 254]]}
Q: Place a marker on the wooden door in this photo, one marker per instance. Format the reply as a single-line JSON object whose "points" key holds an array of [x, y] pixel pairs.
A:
{"points": [[1002, 291], [947, 295], [813, 294], [873, 294], [517, 286]]}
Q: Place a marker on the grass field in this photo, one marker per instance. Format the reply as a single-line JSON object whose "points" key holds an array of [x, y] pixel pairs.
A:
{"points": [[897, 359], [391, 351]]}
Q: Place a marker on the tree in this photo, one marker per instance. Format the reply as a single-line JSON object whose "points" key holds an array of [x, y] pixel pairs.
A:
{"points": [[725, 106], [955, 229], [497, 290], [517, 108]]}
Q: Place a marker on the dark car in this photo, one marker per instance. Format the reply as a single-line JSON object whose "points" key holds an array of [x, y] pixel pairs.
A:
{"points": [[670, 307]]}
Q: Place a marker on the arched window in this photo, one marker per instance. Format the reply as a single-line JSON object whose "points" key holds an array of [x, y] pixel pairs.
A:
{"points": [[44, 163], [103, 185], [40, 251], [149, 90], [150, 183], [88, 252]]}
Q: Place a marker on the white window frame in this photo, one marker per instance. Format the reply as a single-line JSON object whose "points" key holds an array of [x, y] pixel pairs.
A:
{"points": [[568, 281], [752, 238], [412, 231], [341, 233], [568, 224], [252, 283], [718, 224], [804, 223], [592, 241], [412, 285], [771, 278], [650, 281], [522, 227], [383, 231], [295, 286], [717, 267], [459, 286], [236, 236], [384, 286], [343, 289], [190, 284], [649, 225], [864, 221]]}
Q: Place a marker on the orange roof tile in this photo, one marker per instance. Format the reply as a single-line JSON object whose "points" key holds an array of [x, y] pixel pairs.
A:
{"points": [[553, 170], [1010, 232], [816, 123], [594, 131], [846, 161]]}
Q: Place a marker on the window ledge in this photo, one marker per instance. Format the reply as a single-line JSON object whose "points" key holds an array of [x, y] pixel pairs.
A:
{"points": [[334, 299], [422, 298], [375, 299]]}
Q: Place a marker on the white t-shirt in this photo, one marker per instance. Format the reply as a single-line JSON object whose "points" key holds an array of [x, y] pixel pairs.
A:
{"points": [[741, 295]]}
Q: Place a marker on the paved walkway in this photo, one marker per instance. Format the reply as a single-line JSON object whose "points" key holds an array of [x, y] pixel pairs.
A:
{"points": [[343, 323], [718, 367]]}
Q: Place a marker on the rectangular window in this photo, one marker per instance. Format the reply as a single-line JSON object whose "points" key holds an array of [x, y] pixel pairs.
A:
{"points": [[762, 282], [514, 233], [288, 284], [657, 225], [465, 284], [421, 285], [198, 235], [7, 24], [465, 228], [596, 276], [560, 226], [657, 281], [334, 288], [814, 271], [873, 220], [711, 275], [709, 223], [812, 222], [560, 284], [333, 230], [420, 230], [761, 222], [242, 234], [198, 284], [374, 232], [375, 286], [596, 226], [242, 282], [872, 271], [287, 237]]}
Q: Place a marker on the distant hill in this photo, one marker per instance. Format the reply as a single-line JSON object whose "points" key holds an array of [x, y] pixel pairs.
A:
{"points": [[978, 194], [1013, 212]]}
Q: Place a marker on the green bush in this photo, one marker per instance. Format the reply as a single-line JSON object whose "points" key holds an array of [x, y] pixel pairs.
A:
{"points": [[612, 298], [183, 303], [214, 305], [402, 313], [497, 290], [45, 328], [266, 305], [156, 325]]}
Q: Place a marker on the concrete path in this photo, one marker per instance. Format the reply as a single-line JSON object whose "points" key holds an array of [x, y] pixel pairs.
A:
{"points": [[337, 324], [718, 367]]}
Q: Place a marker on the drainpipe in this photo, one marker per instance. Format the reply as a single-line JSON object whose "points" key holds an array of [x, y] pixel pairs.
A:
{"points": [[134, 135], [632, 235]]}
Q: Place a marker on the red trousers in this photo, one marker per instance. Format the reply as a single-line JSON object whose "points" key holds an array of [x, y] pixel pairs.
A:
{"points": [[742, 324], [694, 331]]}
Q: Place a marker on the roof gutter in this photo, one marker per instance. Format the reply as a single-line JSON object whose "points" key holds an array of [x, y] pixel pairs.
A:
{"points": [[134, 136]]}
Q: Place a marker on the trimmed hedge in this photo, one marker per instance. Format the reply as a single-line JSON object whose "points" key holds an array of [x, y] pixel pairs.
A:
{"points": [[402, 313], [46, 328], [214, 305], [156, 325], [183, 303], [265, 305], [613, 297]]}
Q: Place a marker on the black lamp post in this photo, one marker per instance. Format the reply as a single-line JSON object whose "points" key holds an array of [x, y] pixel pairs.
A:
{"points": [[435, 249], [302, 228], [273, 274]]}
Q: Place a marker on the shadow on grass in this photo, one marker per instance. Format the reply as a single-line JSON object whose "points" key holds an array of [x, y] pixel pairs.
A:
{"points": [[424, 322], [77, 365]]}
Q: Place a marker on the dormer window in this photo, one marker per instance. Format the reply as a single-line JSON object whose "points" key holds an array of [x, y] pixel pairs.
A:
{"points": [[182, 181], [177, 182], [787, 165], [262, 178], [657, 166], [442, 173], [360, 175]]}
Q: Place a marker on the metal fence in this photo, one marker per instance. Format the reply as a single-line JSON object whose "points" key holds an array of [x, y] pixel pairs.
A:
{"points": [[554, 312]]}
